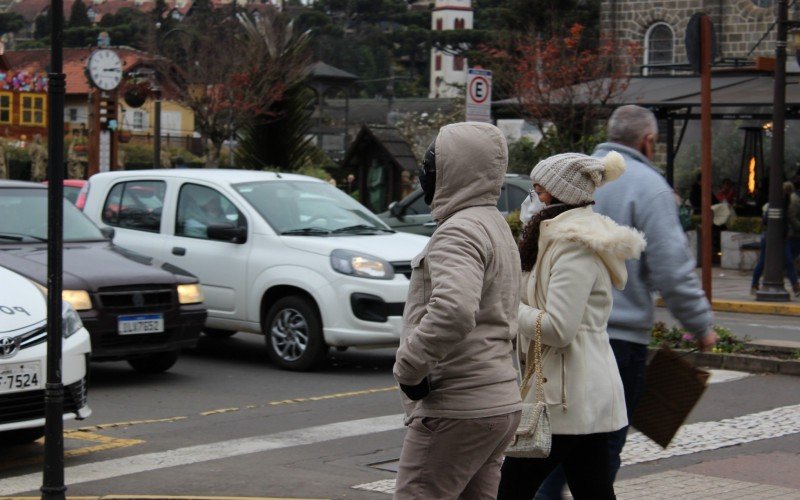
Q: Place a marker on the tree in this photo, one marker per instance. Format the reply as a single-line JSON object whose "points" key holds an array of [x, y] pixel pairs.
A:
{"points": [[79, 15], [231, 71], [563, 88], [11, 22]]}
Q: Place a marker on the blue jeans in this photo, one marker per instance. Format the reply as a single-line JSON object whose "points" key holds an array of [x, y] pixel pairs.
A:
{"points": [[790, 252], [631, 361]]}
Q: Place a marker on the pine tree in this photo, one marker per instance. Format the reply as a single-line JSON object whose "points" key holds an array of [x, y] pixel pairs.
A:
{"points": [[79, 16]]}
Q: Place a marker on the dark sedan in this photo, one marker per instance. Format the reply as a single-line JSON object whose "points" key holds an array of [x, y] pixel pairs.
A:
{"points": [[135, 308]]}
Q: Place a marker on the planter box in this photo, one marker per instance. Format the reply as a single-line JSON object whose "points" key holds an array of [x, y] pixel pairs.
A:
{"points": [[733, 257]]}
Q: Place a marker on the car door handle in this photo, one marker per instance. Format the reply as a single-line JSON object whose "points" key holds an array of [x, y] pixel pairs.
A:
{"points": [[178, 251], [431, 223]]}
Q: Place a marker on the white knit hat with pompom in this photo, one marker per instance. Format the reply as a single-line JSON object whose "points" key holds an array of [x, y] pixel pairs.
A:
{"points": [[573, 177]]}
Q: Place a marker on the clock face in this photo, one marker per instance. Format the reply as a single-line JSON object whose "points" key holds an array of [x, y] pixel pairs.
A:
{"points": [[105, 69]]}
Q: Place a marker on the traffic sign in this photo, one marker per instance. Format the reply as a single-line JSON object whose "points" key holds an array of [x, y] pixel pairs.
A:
{"points": [[479, 95]]}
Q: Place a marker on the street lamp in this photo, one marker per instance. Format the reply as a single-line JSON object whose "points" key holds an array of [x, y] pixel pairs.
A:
{"points": [[773, 288]]}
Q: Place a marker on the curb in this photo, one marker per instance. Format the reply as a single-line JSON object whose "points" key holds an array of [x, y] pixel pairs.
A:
{"points": [[743, 362], [750, 307]]}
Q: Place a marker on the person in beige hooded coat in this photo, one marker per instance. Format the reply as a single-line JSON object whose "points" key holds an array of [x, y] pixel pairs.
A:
{"points": [[455, 361], [572, 257]]}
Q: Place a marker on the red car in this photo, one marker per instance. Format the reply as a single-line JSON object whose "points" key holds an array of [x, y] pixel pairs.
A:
{"points": [[73, 191]]}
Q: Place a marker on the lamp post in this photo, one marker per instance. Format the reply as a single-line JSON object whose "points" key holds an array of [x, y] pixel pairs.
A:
{"points": [[772, 288], [53, 474]]}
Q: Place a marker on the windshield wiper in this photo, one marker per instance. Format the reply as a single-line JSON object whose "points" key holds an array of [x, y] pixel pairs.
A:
{"points": [[306, 230], [20, 237], [360, 227]]}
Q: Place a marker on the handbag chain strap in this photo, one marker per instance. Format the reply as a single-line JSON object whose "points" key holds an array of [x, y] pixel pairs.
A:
{"points": [[534, 368]]}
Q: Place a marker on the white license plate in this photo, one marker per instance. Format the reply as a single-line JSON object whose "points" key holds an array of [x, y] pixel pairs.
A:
{"points": [[136, 324], [18, 377]]}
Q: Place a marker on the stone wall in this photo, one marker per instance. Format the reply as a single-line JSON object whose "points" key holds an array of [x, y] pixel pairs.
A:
{"points": [[739, 24]]}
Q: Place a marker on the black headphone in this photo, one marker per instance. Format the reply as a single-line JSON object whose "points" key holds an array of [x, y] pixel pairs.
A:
{"points": [[427, 173]]}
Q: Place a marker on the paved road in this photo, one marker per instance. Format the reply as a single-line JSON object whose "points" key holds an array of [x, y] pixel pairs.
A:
{"points": [[224, 422]]}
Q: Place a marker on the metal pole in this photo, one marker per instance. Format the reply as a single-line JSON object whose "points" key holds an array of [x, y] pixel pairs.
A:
{"points": [[772, 288], [53, 475], [157, 132], [705, 125], [670, 151]]}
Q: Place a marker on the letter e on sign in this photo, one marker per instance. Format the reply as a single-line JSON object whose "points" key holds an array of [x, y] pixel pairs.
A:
{"points": [[479, 95]]}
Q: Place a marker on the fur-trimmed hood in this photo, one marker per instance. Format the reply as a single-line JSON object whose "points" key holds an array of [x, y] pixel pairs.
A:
{"points": [[613, 243]]}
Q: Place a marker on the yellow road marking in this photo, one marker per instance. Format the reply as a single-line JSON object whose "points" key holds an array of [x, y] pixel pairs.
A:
{"points": [[221, 410], [104, 443], [332, 396], [130, 423], [164, 497]]}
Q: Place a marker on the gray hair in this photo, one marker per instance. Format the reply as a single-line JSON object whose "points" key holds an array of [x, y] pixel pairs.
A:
{"points": [[630, 124]]}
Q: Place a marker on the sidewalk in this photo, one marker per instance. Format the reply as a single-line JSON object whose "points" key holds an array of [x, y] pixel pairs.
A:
{"points": [[730, 292]]}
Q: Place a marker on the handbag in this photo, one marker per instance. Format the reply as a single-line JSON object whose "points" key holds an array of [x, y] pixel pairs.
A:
{"points": [[533, 438]]}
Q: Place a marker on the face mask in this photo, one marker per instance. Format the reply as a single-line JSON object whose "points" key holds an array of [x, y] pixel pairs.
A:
{"points": [[529, 209], [427, 173]]}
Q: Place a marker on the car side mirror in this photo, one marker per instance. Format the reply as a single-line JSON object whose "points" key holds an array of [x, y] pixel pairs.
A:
{"points": [[227, 232], [108, 232], [396, 209]]}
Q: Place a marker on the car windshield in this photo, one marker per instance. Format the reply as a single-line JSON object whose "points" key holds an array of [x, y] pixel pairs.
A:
{"points": [[309, 208], [24, 218]]}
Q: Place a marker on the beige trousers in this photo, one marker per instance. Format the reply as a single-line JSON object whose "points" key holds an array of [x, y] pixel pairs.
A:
{"points": [[447, 458]]}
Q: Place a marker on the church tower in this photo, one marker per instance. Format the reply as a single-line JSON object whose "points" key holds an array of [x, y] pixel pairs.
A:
{"points": [[447, 71]]}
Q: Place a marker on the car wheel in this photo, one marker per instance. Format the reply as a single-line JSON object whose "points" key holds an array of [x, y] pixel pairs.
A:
{"points": [[217, 333], [158, 362], [21, 436], [293, 333]]}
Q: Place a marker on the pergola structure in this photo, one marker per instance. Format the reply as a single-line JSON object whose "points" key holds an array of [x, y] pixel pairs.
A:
{"points": [[676, 99]]}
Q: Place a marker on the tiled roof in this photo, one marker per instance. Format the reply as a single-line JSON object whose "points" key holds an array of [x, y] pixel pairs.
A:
{"points": [[37, 60]]}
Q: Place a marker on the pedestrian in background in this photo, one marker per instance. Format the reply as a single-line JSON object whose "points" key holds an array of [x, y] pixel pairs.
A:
{"points": [[791, 241], [454, 364], [572, 257], [793, 217], [643, 200]]}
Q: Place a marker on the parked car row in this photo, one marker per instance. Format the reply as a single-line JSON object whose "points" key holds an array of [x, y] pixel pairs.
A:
{"points": [[221, 251]]}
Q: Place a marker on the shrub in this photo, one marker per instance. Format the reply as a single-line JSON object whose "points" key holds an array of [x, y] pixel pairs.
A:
{"points": [[750, 225], [515, 224], [678, 338]]}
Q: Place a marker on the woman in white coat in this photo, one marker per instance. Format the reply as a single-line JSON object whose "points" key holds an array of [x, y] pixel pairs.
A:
{"points": [[571, 257]]}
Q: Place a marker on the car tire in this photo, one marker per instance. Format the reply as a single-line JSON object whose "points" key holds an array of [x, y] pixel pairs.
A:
{"points": [[293, 333], [218, 333], [21, 436], [158, 362]]}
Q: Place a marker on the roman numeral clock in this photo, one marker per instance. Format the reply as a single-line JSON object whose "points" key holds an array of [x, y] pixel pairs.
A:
{"points": [[104, 70]]}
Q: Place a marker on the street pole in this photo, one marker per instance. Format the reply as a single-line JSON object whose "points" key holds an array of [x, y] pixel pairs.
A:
{"points": [[157, 130], [772, 288], [705, 127], [53, 487]]}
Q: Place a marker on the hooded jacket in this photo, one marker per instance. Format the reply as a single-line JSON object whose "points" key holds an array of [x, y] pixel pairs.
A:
{"points": [[461, 312], [581, 255]]}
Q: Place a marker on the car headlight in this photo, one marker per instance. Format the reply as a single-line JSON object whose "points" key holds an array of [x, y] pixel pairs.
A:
{"points": [[190, 294], [361, 265], [70, 320], [79, 299]]}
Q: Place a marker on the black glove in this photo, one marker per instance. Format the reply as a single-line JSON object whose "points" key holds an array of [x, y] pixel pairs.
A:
{"points": [[417, 392]]}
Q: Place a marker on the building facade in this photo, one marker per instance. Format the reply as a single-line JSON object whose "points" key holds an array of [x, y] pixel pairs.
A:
{"points": [[449, 72], [659, 27]]}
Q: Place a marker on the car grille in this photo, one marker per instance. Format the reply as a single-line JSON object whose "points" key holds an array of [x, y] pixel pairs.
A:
{"points": [[33, 338], [21, 406], [132, 300], [403, 268]]}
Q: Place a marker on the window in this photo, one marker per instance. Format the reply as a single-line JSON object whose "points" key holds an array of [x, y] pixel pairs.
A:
{"points": [[200, 207], [5, 107], [418, 206], [516, 196], [659, 41], [138, 121], [135, 205], [33, 109], [439, 24], [458, 63], [438, 63], [73, 114], [459, 25]]}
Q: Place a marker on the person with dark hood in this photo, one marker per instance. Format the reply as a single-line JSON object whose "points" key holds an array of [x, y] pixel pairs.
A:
{"points": [[454, 364]]}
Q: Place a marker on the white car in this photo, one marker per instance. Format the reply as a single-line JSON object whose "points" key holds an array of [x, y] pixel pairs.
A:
{"points": [[284, 255], [23, 360]]}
